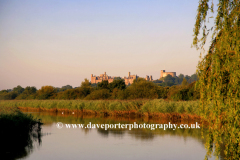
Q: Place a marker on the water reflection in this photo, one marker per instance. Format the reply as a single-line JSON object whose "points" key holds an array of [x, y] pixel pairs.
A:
{"points": [[15, 146], [186, 143]]}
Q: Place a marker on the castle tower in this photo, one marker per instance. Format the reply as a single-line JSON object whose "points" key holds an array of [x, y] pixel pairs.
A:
{"points": [[128, 74], [147, 77], [164, 74], [162, 71], [93, 79]]}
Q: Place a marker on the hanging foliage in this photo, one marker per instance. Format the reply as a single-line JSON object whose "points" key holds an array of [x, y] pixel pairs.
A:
{"points": [[219, 74]]}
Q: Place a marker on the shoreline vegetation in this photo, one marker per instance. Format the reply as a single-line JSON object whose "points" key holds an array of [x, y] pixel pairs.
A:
{"points": [[142, 98], [28, 130], [156, 108]]}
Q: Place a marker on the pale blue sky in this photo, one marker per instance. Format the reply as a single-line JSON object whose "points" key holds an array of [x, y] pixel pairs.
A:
{"points": [[56, 42]]}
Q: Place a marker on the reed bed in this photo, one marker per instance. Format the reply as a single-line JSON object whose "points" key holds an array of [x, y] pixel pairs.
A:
{"points": [[156, 107]]}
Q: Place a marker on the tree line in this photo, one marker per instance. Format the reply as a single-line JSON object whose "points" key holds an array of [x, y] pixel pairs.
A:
{"points": [[171, 81], [139, 89]]}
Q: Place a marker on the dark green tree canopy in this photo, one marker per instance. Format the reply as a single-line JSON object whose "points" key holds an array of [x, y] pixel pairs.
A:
{"points": [[117, 83], [65, 88], [30, 90], [181, 76], [117, 78], [18, 89], [103, 85]]}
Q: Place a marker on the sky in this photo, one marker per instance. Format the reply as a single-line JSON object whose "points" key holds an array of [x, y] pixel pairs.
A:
{"points": [[62, 42]]}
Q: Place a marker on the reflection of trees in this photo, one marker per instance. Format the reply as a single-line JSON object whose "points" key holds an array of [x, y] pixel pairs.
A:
{"points": [[103, 132], [139, 134], [19, 148], [115, 132]]}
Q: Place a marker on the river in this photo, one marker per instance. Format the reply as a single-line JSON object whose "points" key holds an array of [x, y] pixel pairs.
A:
{"points": [[64, 143]]}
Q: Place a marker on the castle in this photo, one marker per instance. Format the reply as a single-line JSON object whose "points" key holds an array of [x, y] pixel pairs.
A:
{"points": [[104, 77], [164, 74], [129, 79]]}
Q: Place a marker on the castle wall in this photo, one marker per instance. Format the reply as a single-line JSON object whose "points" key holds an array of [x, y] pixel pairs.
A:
{"points": [[173, 74], [102, 77], [128, 80], [164, 74], [110, 80]]}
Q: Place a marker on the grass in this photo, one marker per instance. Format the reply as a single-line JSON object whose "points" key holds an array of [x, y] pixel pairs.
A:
{"points": [[156, 107]]}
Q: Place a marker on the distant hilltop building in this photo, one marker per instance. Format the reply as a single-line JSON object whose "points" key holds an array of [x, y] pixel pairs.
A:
{"points": [[149, 78], [164, 74], [103, 77], [129, 79]]}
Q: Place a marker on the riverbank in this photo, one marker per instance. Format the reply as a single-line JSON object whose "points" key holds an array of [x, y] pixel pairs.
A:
{"points": [[156, 108], [28, 129]]}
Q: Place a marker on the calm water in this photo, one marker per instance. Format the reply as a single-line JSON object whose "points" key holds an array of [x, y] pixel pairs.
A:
{"points": [[98, 144]]}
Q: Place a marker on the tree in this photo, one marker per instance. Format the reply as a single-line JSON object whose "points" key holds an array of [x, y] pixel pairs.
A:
{"points": [[103, 85], [18, 89], [99, 94], [193, 78], [46, 92], [30, 90], [168, 78], [8, 95], [141, 88], [85, 83], [28, 93], [187, 77], [85, 88], [179, 79], [181, 76], [219, 73], [184, 82], [117, 78], [3, 91], [117, 83], [65, 88]]}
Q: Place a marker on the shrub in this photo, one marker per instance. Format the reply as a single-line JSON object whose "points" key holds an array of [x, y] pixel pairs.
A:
{"points": [[99, 94], [18, 131], [142, 89]]}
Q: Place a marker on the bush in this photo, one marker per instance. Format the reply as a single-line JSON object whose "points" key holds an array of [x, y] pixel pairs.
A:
{"points": [[99, 94], [183, 92], [117, 84], [142, 89], [162, 92], [18, 131], [9, 95], [46, 92]]}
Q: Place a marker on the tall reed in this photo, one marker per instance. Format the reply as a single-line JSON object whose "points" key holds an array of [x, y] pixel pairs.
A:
{"points": [[139, 106]]}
